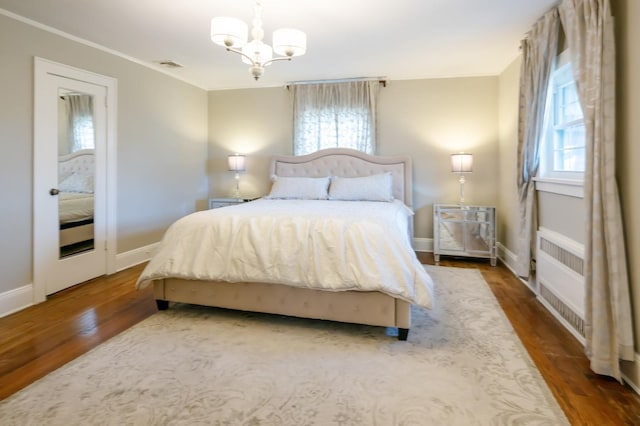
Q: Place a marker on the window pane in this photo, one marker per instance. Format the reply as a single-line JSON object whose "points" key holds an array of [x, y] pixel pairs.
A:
{"points": [[569, 149], [572, 160], [568, 104], [574, 136]]}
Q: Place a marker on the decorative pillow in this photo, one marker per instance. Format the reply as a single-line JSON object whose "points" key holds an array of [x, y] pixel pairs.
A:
{"points": [[367, 188], [300, 188], [77, 182]]}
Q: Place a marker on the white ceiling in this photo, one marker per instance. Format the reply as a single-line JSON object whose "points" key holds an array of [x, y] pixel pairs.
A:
{"points": [[397, 39]]}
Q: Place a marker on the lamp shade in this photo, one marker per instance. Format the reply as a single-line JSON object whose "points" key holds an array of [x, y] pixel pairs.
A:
{"points": [[236, 163], [229, 32], [289, 42], [461, 163]]}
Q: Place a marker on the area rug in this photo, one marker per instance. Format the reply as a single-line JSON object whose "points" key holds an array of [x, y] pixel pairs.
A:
{"points": [[462, 365]]}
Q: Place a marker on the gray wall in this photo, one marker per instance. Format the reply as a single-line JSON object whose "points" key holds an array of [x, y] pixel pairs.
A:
{"points": [[508, 141], [627, 17], [162, 144], [427, 119]]}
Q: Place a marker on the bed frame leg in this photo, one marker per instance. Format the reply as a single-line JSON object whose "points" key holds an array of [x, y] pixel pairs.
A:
{"points": [[403, 333], [162, 305]]}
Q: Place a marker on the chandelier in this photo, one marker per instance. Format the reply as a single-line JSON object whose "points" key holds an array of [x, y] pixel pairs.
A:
{"points": [[232, 34]]}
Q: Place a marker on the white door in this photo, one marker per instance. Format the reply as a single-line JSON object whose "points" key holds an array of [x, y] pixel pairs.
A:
{"points": [[70, 206]]}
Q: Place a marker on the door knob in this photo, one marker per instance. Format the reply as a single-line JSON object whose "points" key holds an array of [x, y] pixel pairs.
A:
{"points": [[53, 191]]}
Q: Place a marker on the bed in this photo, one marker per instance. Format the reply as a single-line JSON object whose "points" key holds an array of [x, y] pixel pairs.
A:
{"points": [[303, 255], [75, 198]]}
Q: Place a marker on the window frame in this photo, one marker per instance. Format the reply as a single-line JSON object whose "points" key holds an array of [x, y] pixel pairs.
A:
{"points": [[547, 151], [568, 183]]}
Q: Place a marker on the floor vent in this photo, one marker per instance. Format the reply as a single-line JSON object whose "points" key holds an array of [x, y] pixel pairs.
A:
{"points": [[560, 279]]}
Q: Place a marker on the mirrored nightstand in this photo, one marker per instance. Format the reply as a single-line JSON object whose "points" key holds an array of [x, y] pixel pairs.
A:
{"points": [[215, 203], [464, 230]]}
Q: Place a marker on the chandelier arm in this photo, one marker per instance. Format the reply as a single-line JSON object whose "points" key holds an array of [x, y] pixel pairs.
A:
{"points": [[239, 52], [282, 58]]}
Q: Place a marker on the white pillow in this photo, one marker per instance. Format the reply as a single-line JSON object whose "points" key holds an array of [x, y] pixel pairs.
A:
{"points": [[77, 182], [300, 188], [367, 188]]}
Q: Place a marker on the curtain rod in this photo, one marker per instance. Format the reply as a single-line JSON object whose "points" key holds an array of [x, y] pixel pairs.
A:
{"points": [[381, 80]]}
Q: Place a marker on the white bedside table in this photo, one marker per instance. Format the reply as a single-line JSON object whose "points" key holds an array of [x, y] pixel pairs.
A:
{"points": [[215, 203], [463, 230]]}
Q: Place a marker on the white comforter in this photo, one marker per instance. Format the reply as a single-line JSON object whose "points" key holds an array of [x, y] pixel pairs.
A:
{"points": [[328, 245], [75, 206]]}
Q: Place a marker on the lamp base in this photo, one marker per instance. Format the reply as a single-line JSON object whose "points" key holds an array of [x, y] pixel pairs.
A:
{"points": [[236, 193]]}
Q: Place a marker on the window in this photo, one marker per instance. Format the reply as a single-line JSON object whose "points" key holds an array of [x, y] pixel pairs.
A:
{"points": [[83, 132], [79, 110], [334, 115], [563, 146]]}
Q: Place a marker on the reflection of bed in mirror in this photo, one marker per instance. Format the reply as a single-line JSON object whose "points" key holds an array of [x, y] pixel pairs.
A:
{"points": [[75, 200]]}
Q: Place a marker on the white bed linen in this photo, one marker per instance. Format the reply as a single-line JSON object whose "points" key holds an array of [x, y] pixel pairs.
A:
{"points": [[75, 206], [318, 244]]}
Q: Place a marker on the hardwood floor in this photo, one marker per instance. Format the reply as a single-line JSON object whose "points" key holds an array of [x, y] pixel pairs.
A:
{"points": [[39, 339]]}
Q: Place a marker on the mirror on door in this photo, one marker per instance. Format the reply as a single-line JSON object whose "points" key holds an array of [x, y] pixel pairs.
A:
{"points": [[76, 172]]}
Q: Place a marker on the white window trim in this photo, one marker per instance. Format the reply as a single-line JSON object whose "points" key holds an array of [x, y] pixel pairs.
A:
{"points": [[547, 151], [558, 182], [568, 187]]}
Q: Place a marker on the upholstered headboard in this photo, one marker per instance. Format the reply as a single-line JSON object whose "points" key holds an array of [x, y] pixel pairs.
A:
{"points": [[81, 161], [348, 163]]}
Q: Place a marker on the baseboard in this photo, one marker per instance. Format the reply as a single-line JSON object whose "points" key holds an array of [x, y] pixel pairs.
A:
{"points": [[504, 254], [423, 244], [22, 297], [15, 300], [508, 258], [135, 257]]}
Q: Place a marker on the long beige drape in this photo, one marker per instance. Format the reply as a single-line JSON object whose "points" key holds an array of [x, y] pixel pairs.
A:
{"points": [[588, 27], [539, 52]]}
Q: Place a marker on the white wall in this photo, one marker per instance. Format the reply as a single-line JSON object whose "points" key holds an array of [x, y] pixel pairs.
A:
{"points": [[255, 122]]}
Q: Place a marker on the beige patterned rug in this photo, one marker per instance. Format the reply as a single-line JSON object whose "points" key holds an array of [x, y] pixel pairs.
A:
{"points": [[462, 365]]}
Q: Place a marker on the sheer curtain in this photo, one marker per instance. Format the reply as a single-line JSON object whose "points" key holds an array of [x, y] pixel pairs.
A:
{"points": [[588, 26], [80, 121], [334, 115], [539, 52]]}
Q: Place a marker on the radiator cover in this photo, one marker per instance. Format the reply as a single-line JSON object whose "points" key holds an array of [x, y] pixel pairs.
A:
{"points": [[560, 279]]}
